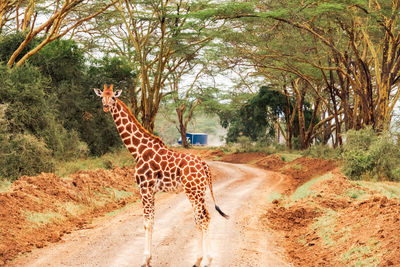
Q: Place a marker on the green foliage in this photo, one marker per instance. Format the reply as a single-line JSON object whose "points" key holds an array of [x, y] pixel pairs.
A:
{"points": [[305, 189], [251, 119], [322, 151], [60, 60], [23, 91], [109, 160], [24, 154], [367, 155], [9, 43], [244, 143]]}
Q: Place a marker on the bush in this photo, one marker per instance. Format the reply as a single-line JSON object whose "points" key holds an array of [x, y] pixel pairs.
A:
{"points": [[322, 151], [24, 154], [369, 156]]}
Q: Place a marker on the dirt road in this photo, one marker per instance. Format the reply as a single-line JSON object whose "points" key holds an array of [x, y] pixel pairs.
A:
{"points": [[240, 190]]}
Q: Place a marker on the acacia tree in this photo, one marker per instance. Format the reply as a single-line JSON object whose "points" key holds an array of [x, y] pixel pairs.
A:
{"points": [[364, 66], [45, 19], [184, 98], [257, 42], [164, 36]]}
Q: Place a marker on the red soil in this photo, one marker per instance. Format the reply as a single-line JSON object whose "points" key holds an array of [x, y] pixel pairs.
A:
{"points": [[76, 200], [361, 229]]}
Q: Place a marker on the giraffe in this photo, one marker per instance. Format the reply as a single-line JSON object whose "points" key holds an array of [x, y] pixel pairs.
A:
{"points": [[160, 169]]}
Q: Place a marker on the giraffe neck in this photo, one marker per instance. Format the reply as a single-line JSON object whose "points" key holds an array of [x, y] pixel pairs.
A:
{"points": [[135, 137]]}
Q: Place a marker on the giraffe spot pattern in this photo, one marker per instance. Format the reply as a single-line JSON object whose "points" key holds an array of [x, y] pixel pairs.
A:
{"points": [[161, 169]]}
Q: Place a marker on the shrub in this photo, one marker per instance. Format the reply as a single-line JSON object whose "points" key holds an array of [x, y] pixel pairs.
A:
{"points": [[368, 155], [24, 154], [322, 151], [244, 143]]}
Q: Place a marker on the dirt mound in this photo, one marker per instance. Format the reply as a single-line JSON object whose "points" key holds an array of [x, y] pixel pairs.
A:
{"points": [[58, 205], [244, 158], [287, 219], [210, 154], [272, 162], [336, 223]]}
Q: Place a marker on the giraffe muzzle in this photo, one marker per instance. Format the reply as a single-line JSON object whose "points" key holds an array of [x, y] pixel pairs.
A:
{"points": [[106, 108]]}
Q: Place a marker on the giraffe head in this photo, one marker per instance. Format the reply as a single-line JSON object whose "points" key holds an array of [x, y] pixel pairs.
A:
{"points": [[107, 96]]}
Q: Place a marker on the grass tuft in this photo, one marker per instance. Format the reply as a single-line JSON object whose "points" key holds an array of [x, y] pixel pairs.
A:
{"points": [[40, 219], [390, 190], [107, 161], [304, 190], [5, 185], [363, 255]]}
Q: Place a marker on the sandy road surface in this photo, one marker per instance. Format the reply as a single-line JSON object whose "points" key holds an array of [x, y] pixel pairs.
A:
{"points": [[241, 191]]}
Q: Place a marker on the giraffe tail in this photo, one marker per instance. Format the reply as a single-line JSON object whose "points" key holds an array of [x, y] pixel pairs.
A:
{"points": [[209, 178]]}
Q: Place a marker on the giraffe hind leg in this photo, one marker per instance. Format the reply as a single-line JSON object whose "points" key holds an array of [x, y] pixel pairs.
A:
{"points": [[202, 220]]}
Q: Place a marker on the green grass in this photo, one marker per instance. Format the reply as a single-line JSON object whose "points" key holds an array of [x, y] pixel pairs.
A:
{"points": [[4, 185], [355, 193], [305, 189], [72, 208], [119, 194], [107, 161], [40, 219], [274, 196], [324, 226], [293, 166], [363, 255], [114, 212], [390, 190], [288, 157]]}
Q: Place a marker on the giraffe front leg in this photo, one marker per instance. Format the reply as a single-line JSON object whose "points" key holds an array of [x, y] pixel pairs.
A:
{"points": [[148, 228], [148, 219]]}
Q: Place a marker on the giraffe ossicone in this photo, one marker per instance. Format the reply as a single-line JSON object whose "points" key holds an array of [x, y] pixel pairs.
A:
{"points": [[160, 169]]}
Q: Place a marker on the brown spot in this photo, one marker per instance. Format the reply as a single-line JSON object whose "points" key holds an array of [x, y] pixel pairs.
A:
{"points": [[124, 135], [135, 141], [163, 164], [129, 127], [183, 163], [152, 183], [145, 141], [193, 169], [119, 107], [162, 151], [115, 116], [125, 121], [127, 141], [147, 154], [156, 146], [143, 168], [121, 129], [141, 148], [131, 149], [186, 171], [118, 122], [157, 158], [154, 165], [143, 190], [139, 135]]}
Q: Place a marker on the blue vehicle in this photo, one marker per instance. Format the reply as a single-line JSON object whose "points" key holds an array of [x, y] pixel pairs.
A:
{"points": [[196, 139]]}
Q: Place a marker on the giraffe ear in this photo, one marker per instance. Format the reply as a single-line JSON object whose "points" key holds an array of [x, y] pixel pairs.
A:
{"points": [[98, 92], [117, 93]]}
